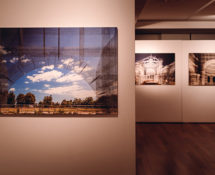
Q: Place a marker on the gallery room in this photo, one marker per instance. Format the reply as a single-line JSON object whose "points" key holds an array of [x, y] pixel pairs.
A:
{"points": [[107, 87]]}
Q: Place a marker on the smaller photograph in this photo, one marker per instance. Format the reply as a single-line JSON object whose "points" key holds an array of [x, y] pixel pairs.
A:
{"points": [[202, 69], [155, 69]]}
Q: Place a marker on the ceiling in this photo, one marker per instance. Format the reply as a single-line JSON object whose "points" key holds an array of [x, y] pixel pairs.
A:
{"points": [[174, 10]]}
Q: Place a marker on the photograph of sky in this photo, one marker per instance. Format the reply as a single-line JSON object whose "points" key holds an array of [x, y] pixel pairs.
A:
{"points": [[56, 81], [64, 70]]}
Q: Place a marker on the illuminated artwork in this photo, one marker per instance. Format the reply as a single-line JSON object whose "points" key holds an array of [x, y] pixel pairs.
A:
{"points": [[202, 69], [155, 69], [58, 71]]}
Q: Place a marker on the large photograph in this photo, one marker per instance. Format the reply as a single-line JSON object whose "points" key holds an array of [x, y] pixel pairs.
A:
{"points": [[58, 71], [202, 69], [155, 69]]}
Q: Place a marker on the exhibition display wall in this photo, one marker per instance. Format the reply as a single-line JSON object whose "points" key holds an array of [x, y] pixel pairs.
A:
{"points": [[159, 102], [198, 101], [88, 145], [192, 97]]}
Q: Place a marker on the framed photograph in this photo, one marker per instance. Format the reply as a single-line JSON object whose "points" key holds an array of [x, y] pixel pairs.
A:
{"points": [[59, 71], [202, 69], [155, 68]]}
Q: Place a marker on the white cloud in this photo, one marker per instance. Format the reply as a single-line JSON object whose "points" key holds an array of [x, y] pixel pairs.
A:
{"points": [[46, 85], [46, 76], [14, 59], [12, 89], [26, 89], [48, 67], [70, 77], [68, 61], [26, 82], [4, 61], [42, 62], [25, 60], [60, 66], [2, 50], [41, 71], [77, 68], [74, 91]]}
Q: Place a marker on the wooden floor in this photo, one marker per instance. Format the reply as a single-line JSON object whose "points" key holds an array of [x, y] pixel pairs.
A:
{"points": [[175, 149]]}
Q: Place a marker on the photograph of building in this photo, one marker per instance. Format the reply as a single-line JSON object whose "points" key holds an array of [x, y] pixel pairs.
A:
{"points": [[202, 69], [58, 71], [155, 69]]}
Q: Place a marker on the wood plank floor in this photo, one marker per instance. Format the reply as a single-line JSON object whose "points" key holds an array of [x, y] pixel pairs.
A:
{"points": [[175, 149]]}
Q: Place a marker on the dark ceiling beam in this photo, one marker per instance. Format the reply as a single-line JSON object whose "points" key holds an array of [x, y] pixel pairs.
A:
{"points": [[174, 31], [174, 20], [193, 17], [139, 5], [201, 8]]}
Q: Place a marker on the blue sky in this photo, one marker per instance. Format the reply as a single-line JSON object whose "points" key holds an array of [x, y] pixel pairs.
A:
{"points": [[50, 79], [56, 81]]}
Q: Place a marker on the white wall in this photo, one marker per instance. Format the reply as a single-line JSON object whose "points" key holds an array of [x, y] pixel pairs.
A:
{"points": [[159, 103], [73, 146], [198, 101], [181, 102]]}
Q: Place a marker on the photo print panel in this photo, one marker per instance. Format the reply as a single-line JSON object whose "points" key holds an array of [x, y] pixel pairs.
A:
{"points": [[59, 71], [155, 68], [202, 69]]}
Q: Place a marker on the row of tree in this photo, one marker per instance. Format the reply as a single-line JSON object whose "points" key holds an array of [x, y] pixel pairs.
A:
{"points": [[30, 99], [47, 102], [21, 99]]}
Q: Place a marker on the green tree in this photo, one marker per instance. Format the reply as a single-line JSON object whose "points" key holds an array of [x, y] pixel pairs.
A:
{"points": [[40, 104], [20, 99], [77, 101], [3, 97], [47, 101], [30, 98], [64, 103], [88, 101], [57, 104], [108, 101], [11, 98]]}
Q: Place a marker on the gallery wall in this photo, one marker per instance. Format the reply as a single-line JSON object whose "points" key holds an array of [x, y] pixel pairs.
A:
{"points": [[198, 101], [159, 102], [80, 146], [180, 102]]}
